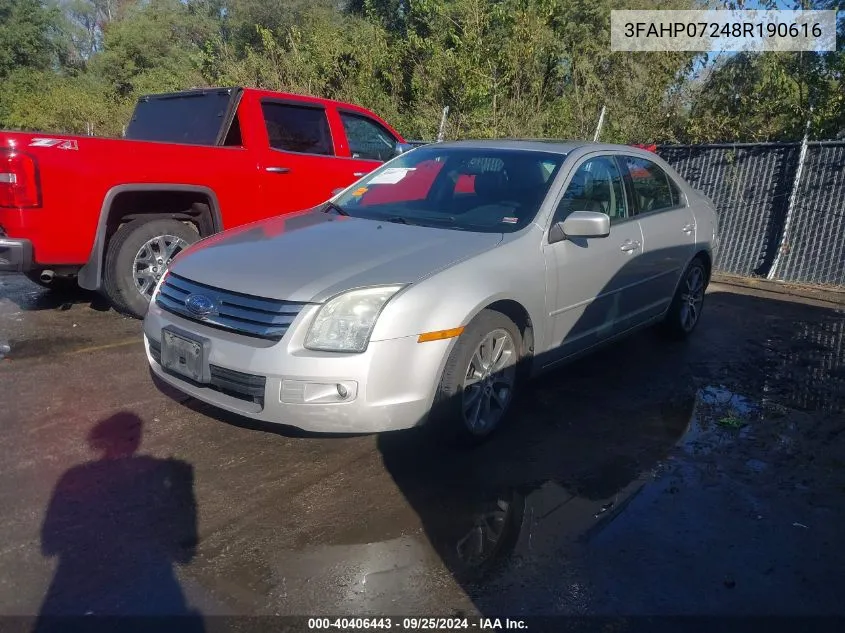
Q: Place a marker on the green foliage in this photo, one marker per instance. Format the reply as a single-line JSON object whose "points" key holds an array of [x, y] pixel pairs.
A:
{"points": [[43, 100], [517, 68], [768, 98], [26, 35], [154, 47]]}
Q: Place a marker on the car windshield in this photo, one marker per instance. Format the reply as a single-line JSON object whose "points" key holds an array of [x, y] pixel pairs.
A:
{"points": [[472, 189]]}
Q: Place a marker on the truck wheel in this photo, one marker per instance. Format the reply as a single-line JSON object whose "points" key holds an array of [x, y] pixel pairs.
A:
{"points": [[136, 258]]}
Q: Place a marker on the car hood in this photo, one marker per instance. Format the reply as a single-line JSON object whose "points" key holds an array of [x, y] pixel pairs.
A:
{"points": [[311, 256]]}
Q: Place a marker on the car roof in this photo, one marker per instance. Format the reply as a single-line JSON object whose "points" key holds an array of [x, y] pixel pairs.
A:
{"points": [[540, 145]]}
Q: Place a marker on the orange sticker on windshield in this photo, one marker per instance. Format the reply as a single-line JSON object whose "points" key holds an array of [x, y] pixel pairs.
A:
{"points": [[360, 191]]}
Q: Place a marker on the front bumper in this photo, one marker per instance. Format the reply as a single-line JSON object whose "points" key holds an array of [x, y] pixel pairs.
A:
{"points": [[15, 255], [390, 386]]}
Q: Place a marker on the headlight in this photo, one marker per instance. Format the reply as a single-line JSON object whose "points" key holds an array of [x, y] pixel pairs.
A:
{"points": [[344, 324]]}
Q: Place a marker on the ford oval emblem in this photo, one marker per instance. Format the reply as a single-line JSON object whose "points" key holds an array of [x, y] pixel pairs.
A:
{"points": [[199, 305]]}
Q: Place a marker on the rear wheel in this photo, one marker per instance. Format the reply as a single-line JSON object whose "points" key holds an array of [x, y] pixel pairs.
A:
{"points": [[137, 257], [479, 379], [685, 310]]}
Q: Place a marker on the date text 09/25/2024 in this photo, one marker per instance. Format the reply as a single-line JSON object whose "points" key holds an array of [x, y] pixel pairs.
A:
{"points": [[415, 624]]}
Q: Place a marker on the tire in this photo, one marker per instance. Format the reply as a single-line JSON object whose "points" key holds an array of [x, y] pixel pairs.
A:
{"points": [[125, 260], [455, 416], [685, 310]]}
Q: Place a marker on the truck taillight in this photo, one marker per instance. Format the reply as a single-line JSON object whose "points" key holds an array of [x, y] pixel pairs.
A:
{"points": [[19, 184]]}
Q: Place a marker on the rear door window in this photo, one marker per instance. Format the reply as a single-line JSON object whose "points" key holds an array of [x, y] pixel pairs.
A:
{"points": [[296, 128], [678, 199], [652, 187]]}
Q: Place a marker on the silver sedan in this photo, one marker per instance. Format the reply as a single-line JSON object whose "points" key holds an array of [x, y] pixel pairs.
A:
{"points": [[433, 287]]}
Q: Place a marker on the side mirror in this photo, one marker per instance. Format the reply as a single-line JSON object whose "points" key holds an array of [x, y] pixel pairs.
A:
{"points": [[581, 224], [401, 148]]}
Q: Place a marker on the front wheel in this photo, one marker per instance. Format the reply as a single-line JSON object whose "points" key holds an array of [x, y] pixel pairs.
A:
{"points": [[479, 379], [137, 257], [685, 310]]}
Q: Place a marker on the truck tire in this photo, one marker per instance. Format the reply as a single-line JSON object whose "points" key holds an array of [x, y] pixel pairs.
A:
{"points": [[137, 256]]}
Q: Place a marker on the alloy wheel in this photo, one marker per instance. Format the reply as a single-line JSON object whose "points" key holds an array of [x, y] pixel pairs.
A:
{"points": [[489, 381], [152, 260], [692, 298]]}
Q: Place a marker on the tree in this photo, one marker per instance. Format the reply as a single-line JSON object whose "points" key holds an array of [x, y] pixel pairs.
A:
{"points": [[530, 68], [27, 29], [154, 47], [46, 101]]}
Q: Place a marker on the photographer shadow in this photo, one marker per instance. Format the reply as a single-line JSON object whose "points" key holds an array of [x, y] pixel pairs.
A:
{"points": [[118, 524]]}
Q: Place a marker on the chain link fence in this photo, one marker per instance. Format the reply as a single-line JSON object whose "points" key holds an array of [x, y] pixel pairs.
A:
{"points": [[766, 230]]}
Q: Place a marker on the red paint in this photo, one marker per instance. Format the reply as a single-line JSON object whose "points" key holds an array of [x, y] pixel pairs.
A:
{"points": [[74, 184], [650, 148], [415, 185]]}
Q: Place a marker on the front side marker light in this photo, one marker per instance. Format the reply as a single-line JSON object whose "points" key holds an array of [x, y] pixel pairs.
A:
{"points": [[439, 335]]}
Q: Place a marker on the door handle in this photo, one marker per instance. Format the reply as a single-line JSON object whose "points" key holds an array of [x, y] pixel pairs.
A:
{"points": [[277, 170], [358, 174], [629, 246], [689, 228]]}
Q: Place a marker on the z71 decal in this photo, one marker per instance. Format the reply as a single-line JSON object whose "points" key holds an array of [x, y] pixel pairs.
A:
{"points": [[54, 142]]}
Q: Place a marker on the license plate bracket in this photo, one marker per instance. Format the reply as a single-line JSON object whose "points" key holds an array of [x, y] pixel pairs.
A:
{"points": [[185, 354]]}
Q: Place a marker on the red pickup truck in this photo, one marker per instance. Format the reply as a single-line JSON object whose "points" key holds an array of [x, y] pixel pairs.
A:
{"points": [[109, 214]]}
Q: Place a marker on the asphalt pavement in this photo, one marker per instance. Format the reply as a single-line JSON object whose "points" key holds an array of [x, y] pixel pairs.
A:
{"points": [[653, 478]]}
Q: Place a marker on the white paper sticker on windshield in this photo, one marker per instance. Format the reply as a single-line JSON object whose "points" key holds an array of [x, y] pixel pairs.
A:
{"points": [[390, 176]]}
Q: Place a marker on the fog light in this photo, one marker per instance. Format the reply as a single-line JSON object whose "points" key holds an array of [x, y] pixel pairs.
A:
{"points": [[306, 392]]}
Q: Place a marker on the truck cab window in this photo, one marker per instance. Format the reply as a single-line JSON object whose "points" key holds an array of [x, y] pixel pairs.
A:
{"points": [[295, 128], [367, 139], [233, 136]]}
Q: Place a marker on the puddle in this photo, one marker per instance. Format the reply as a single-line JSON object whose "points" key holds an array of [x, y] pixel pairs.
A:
{"points": [[719, 416], [35, 348], [23, 295], [804, 367], [720, 399]]}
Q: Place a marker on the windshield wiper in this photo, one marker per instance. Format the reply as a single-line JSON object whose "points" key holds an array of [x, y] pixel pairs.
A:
{"points": [[397, 219], [449, 219], [331, 206]]}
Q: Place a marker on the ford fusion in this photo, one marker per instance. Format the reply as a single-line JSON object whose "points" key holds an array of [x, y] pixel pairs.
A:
{"points": [[431, 288]]}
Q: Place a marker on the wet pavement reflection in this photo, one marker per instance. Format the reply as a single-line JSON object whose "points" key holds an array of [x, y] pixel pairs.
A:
{"points": [[642, 487], [704, 477]]}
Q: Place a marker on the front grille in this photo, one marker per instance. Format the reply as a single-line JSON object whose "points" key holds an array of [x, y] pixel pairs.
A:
{"points": [[237, 384], [235, 312]]}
